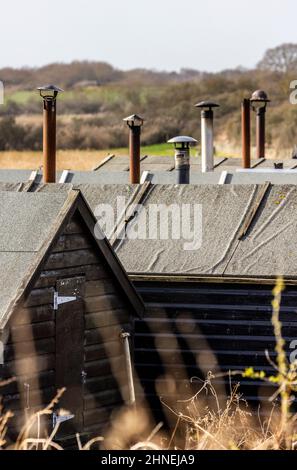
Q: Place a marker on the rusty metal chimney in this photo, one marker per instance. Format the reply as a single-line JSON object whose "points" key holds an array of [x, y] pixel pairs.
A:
{"points": [[207, 134], [135, 124], [182, 157], [246, 133], [259, 100], [49, 95]]}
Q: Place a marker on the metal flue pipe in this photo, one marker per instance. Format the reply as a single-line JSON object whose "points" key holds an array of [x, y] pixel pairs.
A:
{"points": [[207, 146], [259, 100], [125, 337], [260, 132], [49, 95], [246, 133], [49, 142], [182, 157], [134, 123], [134, 145]]}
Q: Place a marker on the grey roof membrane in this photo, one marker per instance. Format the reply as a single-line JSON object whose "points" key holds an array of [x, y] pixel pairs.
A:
{"points": [[268, 249], [161, 171], [223, 210], [13, 268], [260, 178], [161, 175], [25, 223], [98, 177], [166, 177], [96, 194], [15, 176], [19, 215], [10, 186]]}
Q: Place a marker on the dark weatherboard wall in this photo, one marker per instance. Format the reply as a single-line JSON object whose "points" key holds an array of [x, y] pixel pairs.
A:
{"points": [[192, 328]]}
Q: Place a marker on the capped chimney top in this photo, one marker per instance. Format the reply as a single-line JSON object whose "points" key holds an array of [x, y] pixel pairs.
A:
{"points": [[181, 139], [259, 100], [184, 140], [207, 104], [49, 91], [259, 96], [134, 120]]}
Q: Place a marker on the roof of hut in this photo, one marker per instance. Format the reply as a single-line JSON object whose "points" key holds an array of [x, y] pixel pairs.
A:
{"points": [[160, 170], [248, 231], [29, 224]]}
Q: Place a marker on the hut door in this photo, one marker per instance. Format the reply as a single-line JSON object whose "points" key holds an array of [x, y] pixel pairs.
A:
{"points": [[69, 307]]}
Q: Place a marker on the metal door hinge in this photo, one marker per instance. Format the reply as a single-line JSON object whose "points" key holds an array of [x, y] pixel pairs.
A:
{"points": [[62, 299], [58, 419], [84, 377]]}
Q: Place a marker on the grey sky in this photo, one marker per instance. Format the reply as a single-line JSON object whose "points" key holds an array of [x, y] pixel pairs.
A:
{"points": [[160, 34]]}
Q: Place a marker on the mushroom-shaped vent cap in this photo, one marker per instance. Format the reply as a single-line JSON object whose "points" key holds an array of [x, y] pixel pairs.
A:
{"points": [[134, 120], [259, 95], [207, 104], [182, 139], [49, 92], [50, 88]]}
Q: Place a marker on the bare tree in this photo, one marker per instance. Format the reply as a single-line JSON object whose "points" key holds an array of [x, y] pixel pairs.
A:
{"points": [[280, 59]]}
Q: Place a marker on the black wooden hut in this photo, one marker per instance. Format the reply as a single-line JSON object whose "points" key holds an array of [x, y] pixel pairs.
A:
{"points": [[209, 309], [65, 299]]}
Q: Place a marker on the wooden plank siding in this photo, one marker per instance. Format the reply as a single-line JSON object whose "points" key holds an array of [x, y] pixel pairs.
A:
{"points": [[30, 349], [191, 329]]}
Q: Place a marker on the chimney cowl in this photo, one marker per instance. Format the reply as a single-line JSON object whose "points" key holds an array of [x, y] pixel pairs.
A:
{"points": [[182, 145], [49, 92], [259, 96], [207, 104], [134, 120], [182, 139]]}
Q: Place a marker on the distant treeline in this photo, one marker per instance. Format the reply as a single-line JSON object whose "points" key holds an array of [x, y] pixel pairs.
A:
{"points": [[79, 73], [97, 96]]}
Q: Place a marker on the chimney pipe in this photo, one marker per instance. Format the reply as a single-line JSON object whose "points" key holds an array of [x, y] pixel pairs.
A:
{"points": [[49, 94], [134, 123], [246, 133], [259, 100], [207, 134], [182, 157], [260, 133]]}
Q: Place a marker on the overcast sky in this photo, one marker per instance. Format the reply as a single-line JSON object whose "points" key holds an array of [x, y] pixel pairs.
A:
{"points": [[161, 34]]}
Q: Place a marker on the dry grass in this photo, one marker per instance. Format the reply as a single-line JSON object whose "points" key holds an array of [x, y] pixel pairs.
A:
{"points": [[234, 426], [66, 159], [29, 439], [83, 160]]}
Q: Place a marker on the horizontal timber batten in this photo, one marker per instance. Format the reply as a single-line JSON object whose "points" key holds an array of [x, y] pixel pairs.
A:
{"points": [[106, 318], [91, 272], [106, 350]]}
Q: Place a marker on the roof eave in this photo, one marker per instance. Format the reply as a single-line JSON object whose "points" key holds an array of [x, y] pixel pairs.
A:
{"points": [[200, 278]]}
